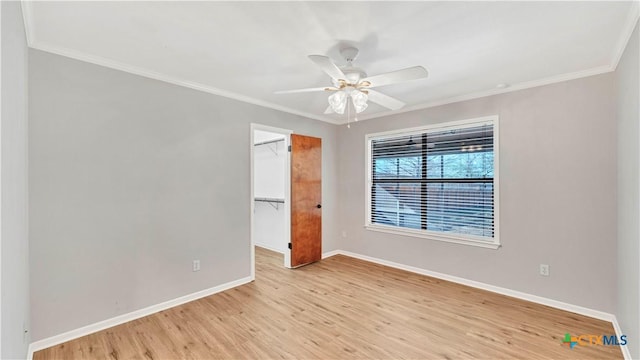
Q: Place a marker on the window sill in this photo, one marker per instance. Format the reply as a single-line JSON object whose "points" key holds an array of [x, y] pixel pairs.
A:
{"points": [[433, 236]]}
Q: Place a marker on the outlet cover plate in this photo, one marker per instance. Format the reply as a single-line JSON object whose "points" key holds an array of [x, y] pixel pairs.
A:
{"points": [[544, 269]]}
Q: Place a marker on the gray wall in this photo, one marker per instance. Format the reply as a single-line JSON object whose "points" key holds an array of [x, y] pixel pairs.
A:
{"points": [[557, 190], [15, 248], [130, 180], [627, 79]]}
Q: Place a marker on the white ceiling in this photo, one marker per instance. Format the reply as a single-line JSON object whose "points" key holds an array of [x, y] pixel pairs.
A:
{"points": [[248, 50]]}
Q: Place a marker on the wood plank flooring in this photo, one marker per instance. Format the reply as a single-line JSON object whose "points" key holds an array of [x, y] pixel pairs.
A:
{"points": [[344, 308]]}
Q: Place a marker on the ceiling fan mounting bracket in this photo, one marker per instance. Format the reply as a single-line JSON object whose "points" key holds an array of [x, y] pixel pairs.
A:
{"points": [[349, 53]]}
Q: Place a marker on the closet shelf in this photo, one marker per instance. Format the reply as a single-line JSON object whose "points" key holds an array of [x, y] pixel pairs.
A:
{"points": [[268, 143], [281, 201], [274, 202], [271, 200]]}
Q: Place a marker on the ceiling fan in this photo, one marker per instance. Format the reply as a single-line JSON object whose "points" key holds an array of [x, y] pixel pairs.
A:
{"points": [[352, 82]]}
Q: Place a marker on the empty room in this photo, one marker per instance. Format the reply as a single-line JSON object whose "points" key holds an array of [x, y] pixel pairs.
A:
{"points": [[319, 180]]}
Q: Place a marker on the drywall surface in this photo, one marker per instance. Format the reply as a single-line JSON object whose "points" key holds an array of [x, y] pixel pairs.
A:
{"points": [[131, 180], [628, 106], [15, 243], [557, 194]]}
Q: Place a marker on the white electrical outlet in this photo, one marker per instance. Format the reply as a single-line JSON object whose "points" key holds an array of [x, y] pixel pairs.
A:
{"points": [[344, 233], [544, 269], [196, 265]]}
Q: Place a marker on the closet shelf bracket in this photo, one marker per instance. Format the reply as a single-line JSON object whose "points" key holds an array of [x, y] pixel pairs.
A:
{"points": [[274, 202]]}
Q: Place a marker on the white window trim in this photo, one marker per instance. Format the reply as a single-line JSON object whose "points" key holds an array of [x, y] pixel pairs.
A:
{"points": [[433, 235]]}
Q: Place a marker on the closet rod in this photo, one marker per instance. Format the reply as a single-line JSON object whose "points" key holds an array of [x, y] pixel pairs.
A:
{"points": [[268, 142], [271, 200]]}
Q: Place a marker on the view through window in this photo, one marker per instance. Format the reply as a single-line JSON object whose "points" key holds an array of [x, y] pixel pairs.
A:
{"points": [[438, 180]]}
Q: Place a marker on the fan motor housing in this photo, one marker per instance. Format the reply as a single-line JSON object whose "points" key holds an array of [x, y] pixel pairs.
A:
{"points": [[353, 74]]}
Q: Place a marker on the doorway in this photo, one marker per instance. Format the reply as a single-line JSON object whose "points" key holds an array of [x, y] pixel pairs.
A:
{"points": [[270, 191], [286, 195]]}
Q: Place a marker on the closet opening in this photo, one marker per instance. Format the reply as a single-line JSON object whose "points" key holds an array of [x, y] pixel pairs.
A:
{"points": [[270, 193]]}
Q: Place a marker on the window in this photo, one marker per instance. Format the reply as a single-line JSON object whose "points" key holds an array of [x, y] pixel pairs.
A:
{"points": [[438, 182]]}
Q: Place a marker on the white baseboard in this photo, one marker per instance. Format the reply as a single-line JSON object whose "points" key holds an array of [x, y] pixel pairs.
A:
{"points": [[120, 319], [331, 253], [500, 290], [89, 329], [625, 349], [279, 251], [496, 289]]}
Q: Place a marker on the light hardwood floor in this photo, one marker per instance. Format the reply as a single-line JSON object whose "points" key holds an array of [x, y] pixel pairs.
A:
{"points": [[344, 308]]}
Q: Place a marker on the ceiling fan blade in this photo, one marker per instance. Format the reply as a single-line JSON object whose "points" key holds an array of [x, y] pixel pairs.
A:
{"points": [[329, 110], [328, 66], [385, 100], [412, 73], [301, 90]]}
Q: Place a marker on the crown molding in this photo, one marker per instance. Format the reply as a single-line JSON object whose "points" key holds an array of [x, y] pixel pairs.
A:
{"points": [[27, 17], [625, 36], [480, 94], [28, 20], [97, 60]]}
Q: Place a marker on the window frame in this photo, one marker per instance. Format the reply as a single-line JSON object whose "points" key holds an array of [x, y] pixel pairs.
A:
{"points": [[430, 234]]}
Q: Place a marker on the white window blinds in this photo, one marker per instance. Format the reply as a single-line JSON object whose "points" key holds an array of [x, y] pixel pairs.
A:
{"points": [[435, 180]]}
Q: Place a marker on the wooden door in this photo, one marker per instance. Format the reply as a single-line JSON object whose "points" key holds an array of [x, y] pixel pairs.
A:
{"points": [[306, 200]]}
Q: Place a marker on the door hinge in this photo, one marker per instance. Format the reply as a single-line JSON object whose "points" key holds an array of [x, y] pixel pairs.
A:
{"points": [[289, 148], [289, 246]]}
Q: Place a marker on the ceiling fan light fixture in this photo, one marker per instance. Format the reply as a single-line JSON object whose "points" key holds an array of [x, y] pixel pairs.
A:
{"points": [[338, 102], [359, 100], [353, 82]]}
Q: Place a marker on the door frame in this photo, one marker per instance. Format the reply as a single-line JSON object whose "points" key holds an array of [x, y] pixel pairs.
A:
{"points": [[287, 192]]}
